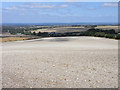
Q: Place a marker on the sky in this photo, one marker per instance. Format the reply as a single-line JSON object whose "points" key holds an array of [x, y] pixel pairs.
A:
{"points": [[59, 12]]}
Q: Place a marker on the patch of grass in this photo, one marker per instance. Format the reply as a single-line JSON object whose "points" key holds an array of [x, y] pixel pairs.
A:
{"points": [[8, 39]]}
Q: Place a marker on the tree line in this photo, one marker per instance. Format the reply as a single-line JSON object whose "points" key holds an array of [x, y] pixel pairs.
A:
{"points": [[91, 32]]}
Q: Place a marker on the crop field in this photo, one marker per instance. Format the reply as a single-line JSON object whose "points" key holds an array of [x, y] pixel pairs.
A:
{"points": [[72, 29], [61, 29]]}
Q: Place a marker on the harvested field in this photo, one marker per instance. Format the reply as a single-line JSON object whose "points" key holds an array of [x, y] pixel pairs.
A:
{"points": [[65, 62], [107, 27], [73, 29], [61, 29]]}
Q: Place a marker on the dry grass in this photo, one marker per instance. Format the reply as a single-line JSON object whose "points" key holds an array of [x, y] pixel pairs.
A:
{"points": [[61, 29], [107, 27], [8, 39], [73, 29], [43, 30]]}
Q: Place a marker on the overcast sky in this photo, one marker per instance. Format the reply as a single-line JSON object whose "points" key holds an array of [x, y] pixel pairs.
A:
{"points": [[59, 12]]}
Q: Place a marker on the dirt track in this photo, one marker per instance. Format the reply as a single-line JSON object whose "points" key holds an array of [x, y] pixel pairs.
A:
{"points": [[76, 62]]}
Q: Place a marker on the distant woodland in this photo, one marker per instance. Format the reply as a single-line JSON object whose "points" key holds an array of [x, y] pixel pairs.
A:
{"points": [[26, 30]]}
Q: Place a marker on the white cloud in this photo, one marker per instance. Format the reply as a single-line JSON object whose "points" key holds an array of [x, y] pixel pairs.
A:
{"points": [[49, 6], [110, 4], [64, 5], [91, 8], [36, 6], [43, 6], [11, 8]]}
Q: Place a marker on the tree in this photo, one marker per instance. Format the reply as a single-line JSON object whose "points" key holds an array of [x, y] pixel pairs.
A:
{"points": [[117, 36], [34, 33], [39, 34], [99, 34], [109, 35]]}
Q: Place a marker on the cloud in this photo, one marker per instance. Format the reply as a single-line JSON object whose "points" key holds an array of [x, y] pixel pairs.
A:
{"points": [[110, 4], [64, 5], [91, 8], [49, 6], [42, 6], [35, 6], [77, 4], [11, 8]]}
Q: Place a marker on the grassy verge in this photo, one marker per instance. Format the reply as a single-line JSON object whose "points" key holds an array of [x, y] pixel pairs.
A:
{"points": [[8, 39]]}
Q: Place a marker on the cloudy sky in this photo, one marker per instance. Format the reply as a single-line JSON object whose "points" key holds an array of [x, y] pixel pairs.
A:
{"points": [[59, 12]]}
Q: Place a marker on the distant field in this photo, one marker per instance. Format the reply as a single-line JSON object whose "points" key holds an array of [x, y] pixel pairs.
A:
{"points": [[61, 29], [107, 27], [73, 29]]}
